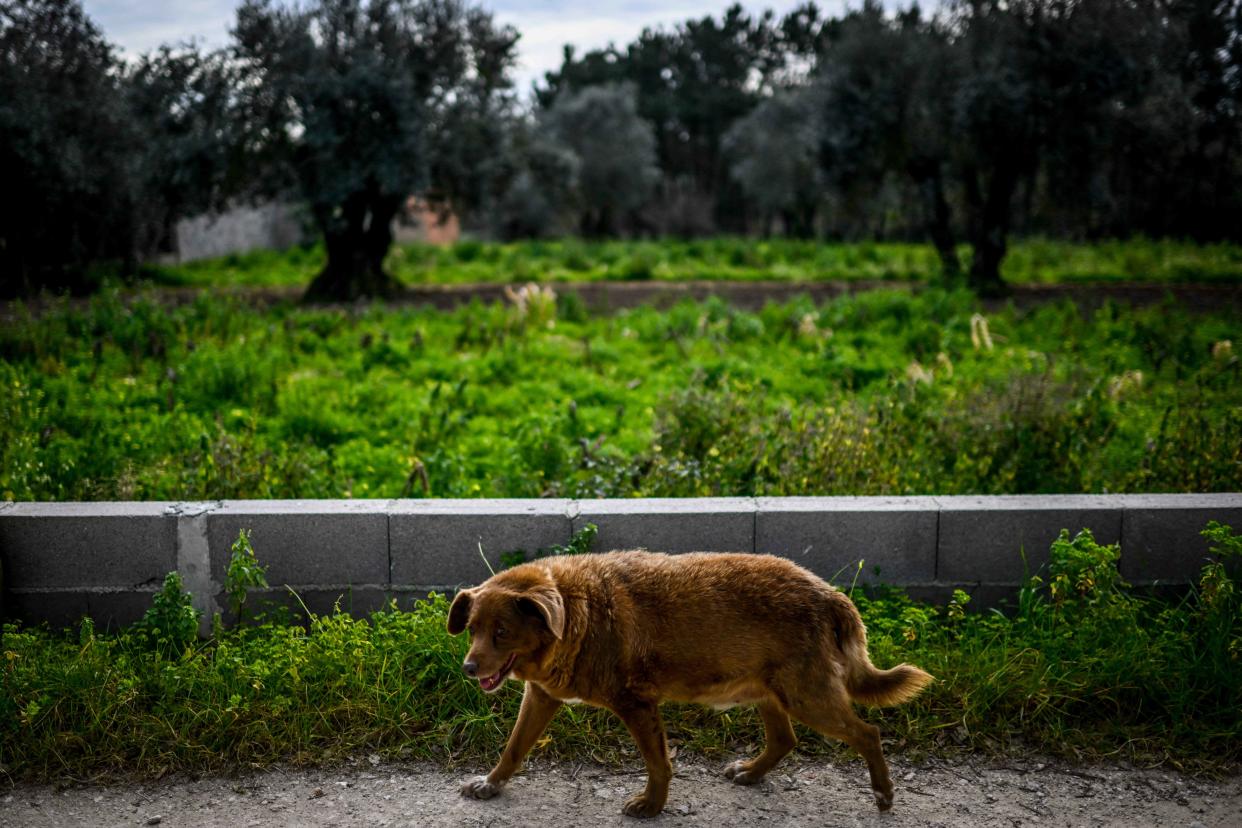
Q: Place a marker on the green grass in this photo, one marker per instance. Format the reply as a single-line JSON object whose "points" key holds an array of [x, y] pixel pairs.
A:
{"points": [[259, 268], [1081, 667], [882, 393], [1029, 261]]}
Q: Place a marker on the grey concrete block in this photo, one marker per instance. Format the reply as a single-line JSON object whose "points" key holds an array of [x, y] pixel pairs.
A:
{"points": [[701, 524], [1160, 538], [63, 561], [58, 609], [409, 597], [435, 543], [894, 537], [194, 560], [113, 610], [358, 601], [305, 541], [982, 596], [87, 544], [984, 539]]}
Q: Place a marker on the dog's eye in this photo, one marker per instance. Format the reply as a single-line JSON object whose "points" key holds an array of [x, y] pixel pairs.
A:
{"points": [[501, 632]]}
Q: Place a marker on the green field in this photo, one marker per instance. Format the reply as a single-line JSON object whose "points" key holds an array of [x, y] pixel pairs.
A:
{"points": [[883, 393], [1031, 261]]}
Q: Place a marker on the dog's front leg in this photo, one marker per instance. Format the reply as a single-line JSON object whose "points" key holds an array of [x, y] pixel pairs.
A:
{"points": [[538, 708], [645, 725]]}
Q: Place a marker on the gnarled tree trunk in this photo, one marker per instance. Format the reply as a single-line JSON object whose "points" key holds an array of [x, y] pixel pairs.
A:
{"points": [[357, 236], [930, 180], [989, 227]]}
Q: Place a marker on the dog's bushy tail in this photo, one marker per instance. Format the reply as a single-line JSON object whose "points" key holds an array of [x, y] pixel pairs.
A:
{"points": [[866, 683]]}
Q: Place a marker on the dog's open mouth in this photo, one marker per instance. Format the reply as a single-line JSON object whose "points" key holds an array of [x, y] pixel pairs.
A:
{"points": [[490, 683]]}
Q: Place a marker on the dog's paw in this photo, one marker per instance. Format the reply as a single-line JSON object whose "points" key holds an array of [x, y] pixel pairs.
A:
{"points": [[883, 800], [477, 787], [640, 806], [740, 774], [746, 778]]}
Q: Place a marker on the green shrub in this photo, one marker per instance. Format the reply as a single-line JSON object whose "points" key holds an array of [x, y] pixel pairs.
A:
{"points": [[170, 625], [579, 544], [1217, 605], [640, 266], [244, 573]]}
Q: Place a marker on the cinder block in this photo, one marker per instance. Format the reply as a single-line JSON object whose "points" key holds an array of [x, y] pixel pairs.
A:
{"points": [[58, 609], [87, 544], [982, 596], [358, 601], [113, 610], [409, 597], [894, 537], [701, 524], [435, 543], [983, 539], [1160, 538], [305, 541]]}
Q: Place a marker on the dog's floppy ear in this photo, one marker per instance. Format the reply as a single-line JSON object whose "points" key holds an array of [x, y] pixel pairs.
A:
{"points": [[459, 612], [547, 600]]}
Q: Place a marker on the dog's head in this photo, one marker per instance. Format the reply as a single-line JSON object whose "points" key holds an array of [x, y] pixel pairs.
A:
{"points": [[510, 621]]}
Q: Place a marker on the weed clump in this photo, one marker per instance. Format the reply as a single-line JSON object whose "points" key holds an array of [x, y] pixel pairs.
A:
{"points": [[1082, 667], [244, 573], [169, 626], [579, 544]]}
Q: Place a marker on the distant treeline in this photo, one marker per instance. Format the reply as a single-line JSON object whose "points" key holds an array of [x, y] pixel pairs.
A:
{"points": [[982, 118]]}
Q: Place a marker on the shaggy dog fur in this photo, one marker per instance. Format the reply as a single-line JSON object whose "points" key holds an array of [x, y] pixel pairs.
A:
{"points": [[628, 630]]}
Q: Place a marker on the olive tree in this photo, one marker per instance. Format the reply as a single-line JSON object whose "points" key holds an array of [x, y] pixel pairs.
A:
{"points": [[614, 148], [337, 100], [886, 88], [774, 156], [1037, 77], [186, 162], [65, 141]]}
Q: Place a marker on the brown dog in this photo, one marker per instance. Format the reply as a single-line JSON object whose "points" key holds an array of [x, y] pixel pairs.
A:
{"points": [[628, 630]]}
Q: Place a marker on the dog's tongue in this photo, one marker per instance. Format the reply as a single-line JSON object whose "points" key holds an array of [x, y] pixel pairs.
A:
{"points": [[490, 682]]}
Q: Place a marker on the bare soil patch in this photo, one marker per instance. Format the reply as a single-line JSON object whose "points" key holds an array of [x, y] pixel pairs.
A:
{"points": [[748, 295]]}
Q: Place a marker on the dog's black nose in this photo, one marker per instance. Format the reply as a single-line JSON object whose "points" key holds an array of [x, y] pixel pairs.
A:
{"points": [[471, 668]]}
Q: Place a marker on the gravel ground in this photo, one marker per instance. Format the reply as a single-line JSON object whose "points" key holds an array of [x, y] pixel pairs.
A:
{"points": [[798, 793]]}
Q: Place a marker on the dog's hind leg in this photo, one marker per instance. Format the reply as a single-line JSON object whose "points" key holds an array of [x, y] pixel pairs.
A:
{"points": [[538, 708], [645, 725], [779, 739], [832, 716]]}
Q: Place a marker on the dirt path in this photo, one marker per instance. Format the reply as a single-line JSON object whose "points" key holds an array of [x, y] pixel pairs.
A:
{"points": [[800, 793], [750, 295]]}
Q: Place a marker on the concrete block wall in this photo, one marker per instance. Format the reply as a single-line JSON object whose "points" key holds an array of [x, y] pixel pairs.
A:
{"points": [[65, 560], [270, 226]]}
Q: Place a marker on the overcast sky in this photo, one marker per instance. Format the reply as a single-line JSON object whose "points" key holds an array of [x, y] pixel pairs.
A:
{"points": [[546, 25]]}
